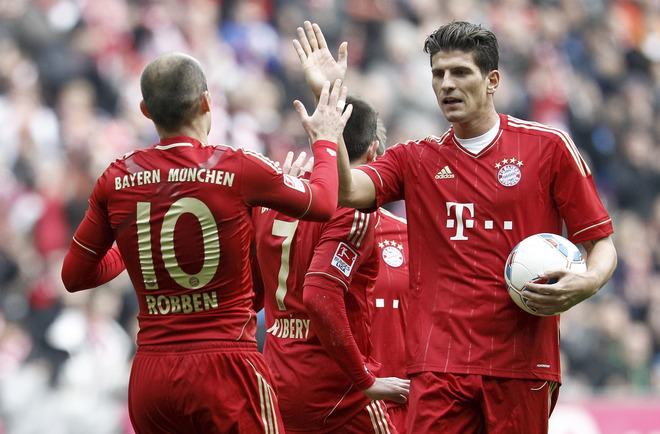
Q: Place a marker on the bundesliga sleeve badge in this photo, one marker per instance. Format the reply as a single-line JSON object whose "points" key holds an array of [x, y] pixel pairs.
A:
{"points": [[509, 173], [344, 258]]}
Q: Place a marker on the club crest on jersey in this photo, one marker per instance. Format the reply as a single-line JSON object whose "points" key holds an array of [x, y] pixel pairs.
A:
{"points": [[392, 253], [508, 171], [344, 259], [293, 182]]}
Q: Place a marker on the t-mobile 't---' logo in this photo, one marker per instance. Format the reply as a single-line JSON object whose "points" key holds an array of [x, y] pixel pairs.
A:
{"points": [[460, 223], [463, 221]]}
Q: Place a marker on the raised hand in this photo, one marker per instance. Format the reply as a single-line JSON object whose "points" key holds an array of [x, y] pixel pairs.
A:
{"points": [[317, 62], [329, 119]]}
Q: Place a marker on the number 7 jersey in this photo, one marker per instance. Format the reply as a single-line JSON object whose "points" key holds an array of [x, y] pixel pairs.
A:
{"points": [[180, 214]]}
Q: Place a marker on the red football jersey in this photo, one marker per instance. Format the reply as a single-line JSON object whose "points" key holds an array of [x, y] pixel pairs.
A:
{"points": [[391, 295], [465, 213], [180, 213], [313, 391]]}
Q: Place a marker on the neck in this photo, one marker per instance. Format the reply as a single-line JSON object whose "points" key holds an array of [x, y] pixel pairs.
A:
{"points": [[195, 131], [475, 128]]}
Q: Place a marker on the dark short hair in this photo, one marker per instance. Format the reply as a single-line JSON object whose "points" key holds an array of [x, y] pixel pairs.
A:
{"points": [[171, 86], [361, 128], [467, 37]]}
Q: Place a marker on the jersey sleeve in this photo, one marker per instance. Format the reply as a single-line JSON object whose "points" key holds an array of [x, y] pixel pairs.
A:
{"points": [[328, 317], [314, 199], [386, 173], [91, 260], [346, 242], [576, 196]]}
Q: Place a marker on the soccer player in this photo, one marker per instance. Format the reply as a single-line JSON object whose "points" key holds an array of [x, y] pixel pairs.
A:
{"points": [[390, 301], [477, 362], [179, 212], [388, 324], [318, 280]]}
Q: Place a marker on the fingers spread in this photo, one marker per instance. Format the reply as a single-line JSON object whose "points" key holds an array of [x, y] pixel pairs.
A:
{"points": [[319, 36]]}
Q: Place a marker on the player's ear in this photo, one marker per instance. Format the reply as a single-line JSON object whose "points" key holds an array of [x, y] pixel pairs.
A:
{"points": [[372, 151], [493, 78], [205, 101], [143, 109]]}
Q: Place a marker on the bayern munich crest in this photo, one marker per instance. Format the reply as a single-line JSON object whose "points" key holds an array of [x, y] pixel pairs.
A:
{"points": [[509, 173], [392, 254]]}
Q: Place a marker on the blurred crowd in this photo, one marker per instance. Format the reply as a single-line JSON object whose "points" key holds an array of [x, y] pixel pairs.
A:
{"points": [[69, 96]]}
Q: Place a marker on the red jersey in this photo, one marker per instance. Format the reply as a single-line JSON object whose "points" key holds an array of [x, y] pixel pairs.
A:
{"points": [[314, 393], [465, 213], [180, 214], [391, 295]]}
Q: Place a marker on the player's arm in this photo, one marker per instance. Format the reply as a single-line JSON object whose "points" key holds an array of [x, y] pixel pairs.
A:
{"points": [[315, 200], [356, 190], [91, 260], [330, 275], [573, 288], [327, 314]]}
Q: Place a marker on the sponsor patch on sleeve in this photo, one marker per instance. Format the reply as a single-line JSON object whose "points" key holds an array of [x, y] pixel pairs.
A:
{"points": [[293, 182], [344, 259]]}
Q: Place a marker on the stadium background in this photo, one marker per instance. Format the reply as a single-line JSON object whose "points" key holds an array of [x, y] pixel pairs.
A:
{"points": [[69, 95]]}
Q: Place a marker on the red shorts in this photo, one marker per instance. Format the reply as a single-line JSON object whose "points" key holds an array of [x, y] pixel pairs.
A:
{"points": [[451, 403], [209, 387], [372, 419], [399, 416]]}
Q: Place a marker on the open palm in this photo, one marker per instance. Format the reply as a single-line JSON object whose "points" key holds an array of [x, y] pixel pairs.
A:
{"points": [[317, 62]]}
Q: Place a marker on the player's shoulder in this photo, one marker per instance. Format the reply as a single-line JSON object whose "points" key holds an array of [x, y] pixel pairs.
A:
{"points": [[351, 213], [537, 129], [256, 157], [431, 140], [554, 140]]}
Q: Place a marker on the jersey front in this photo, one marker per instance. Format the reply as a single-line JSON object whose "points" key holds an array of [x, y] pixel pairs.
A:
{"points": [[390, 295], [465, 213], [180, 214], [314, 394]]}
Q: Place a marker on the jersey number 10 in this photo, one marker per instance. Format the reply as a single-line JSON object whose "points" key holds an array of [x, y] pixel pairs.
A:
{"points": [[209, 237]]}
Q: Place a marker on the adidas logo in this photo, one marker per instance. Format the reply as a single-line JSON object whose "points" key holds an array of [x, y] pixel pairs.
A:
{"points": [[445, 173]]}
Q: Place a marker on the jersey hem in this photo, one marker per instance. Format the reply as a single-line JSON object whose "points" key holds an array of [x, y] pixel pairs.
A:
{"points": [[528, 375]]}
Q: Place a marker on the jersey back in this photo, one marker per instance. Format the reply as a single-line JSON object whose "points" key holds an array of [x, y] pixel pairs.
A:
{"points": [[313, 392], [180, 214]]}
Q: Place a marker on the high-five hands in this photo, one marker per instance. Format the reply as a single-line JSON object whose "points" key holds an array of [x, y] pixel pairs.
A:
{"points": [[317, 62], [329, 119]]}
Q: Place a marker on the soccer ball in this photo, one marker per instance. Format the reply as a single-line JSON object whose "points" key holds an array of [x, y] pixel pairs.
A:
{"points": [[535, 254]]}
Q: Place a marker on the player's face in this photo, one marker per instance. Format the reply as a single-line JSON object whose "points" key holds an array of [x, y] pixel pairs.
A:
{"points": [[464, 94]]}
